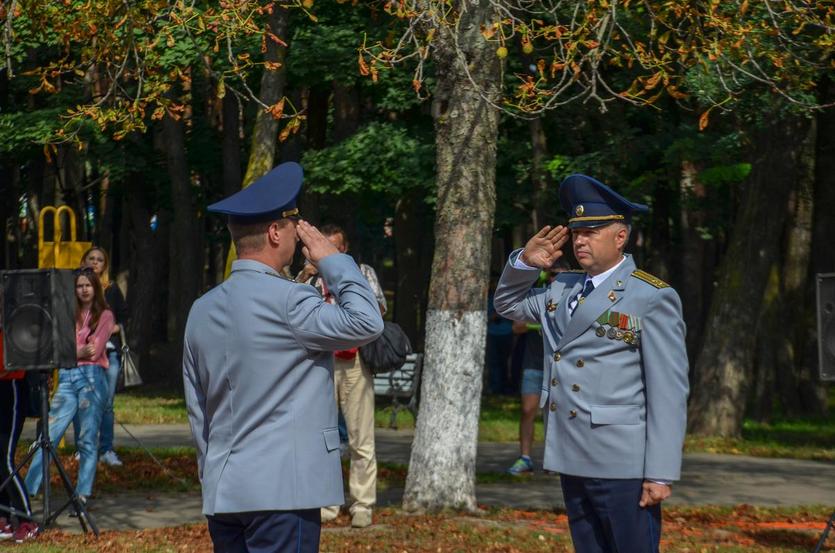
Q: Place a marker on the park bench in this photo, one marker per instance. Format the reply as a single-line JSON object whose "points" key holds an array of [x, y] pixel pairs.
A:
{"points": [[401, 386]]}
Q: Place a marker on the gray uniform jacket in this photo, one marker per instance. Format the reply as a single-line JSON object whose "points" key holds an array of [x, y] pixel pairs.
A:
{"points": [[615, 383], [258, 374]]}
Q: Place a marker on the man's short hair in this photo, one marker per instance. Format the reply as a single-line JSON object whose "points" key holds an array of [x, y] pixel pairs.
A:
{"points": [[332, 230], [249, 235]]}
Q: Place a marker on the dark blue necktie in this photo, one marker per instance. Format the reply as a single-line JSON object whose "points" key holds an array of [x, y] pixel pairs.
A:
{"points": [[587, 289]]}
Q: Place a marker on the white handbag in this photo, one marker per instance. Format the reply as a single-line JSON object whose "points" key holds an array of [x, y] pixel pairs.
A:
{"points": [[130, 364]]}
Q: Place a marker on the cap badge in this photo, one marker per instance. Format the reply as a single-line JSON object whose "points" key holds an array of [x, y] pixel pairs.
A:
{"points": [[579, 210]]}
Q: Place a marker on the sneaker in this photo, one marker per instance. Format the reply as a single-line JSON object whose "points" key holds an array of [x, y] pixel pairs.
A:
{"points": [[110, 458], [26, 531], [522, 465], [361, 519], [6, 531], [329, 513]]}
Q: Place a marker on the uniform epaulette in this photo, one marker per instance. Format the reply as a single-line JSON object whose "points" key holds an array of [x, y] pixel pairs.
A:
{"points": [[649, 279]]}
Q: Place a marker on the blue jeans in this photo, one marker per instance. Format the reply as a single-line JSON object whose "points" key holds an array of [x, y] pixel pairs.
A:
{"points": [[80, 390], [111, 379]]}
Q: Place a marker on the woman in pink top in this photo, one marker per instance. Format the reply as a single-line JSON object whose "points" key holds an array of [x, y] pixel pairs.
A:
{"points": [[81, 389]]}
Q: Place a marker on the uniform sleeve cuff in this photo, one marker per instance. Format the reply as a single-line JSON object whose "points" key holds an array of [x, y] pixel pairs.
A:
{"points": [[663, 482], [519, 264]]}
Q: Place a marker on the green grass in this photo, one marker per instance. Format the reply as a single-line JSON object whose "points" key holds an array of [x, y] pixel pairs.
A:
{"points": [[806, 438], [812, 439], [499, 419], [150, 405], [801, 439]]}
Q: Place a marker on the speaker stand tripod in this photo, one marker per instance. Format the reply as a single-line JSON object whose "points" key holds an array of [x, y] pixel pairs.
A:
{"points": [[829, 525], [49, 451]]}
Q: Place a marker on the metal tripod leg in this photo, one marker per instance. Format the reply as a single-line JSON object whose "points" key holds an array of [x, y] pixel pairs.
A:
{"points": [[829, 526], [49, 453]]}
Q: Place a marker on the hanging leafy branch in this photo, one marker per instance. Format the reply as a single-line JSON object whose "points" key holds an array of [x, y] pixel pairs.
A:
{"points": [[582, 50], [135, 59]]}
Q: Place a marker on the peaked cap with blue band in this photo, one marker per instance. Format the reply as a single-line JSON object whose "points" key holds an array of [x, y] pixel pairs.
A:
{"points": [[273, 196], [590, 203]]}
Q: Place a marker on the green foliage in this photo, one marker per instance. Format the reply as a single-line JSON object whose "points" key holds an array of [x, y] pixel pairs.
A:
{"points": [[725, 175], [24, 131], [380, 157]]}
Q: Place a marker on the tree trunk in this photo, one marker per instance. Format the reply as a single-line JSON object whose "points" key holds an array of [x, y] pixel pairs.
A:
{"points": [[410, 223], [147, 250], [793, 376], [231, 147], [823, 229], [692, 255], [232, 178], [765, 367], [346, 110], [186, 259], [107, 219], [265, 132], [724, 366], [660, 234], [316, 132], [540, 178], [442, 466]]}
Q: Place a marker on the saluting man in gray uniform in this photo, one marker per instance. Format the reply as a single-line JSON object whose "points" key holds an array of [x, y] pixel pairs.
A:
{"points": [[258, 373], [615, 384]]}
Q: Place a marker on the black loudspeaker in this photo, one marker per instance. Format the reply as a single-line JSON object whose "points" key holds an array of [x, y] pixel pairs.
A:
{"points": [[38, 319], [826, 325]]}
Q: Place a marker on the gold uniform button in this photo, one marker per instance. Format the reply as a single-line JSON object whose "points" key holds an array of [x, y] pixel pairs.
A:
{"points": [[557, 356], [553, 406], [575, 387], [572, 414], [580, 363], [554, 382]]}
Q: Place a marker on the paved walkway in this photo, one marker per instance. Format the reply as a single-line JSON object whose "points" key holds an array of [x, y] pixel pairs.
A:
{"points": [[706, 479]]}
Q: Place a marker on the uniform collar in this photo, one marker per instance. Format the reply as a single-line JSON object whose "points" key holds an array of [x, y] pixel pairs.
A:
{"points": [[252, 265], [598, 279]]}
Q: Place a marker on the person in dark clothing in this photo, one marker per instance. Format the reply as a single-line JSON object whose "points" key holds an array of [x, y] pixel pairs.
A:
{"points": [[14, 393], [97, 259]]}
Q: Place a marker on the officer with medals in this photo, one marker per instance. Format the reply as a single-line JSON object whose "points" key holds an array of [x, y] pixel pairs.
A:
{"points": [[615, 387], [258, 374]]}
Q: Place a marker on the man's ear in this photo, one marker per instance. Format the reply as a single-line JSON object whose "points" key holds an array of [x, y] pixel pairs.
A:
{"points": [[274, 234], [621, 236]]}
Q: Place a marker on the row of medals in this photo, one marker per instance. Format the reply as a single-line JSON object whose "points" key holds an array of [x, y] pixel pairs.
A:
{"points": [[621, 327]]}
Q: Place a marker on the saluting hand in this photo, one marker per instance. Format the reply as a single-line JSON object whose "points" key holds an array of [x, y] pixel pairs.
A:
{"points": [[545, 247], [316, 246]]}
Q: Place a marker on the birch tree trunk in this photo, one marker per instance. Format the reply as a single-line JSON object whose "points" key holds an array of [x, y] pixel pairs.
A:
{"points": [[723, 368], [442, 465]]}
